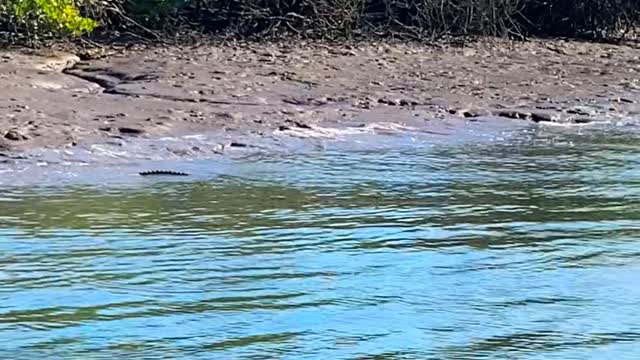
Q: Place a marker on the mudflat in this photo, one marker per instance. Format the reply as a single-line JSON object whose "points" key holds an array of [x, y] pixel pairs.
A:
{"points": [[51, 99]]}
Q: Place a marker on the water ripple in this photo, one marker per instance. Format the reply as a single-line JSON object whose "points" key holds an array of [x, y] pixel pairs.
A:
{"points": [[524, 250]]}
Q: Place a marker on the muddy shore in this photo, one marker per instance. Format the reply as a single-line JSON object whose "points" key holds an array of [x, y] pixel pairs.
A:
{"points": [[53, 100]]}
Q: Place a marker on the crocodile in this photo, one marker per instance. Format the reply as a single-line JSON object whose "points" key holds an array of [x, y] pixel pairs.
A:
{"points": [[163, 172]]}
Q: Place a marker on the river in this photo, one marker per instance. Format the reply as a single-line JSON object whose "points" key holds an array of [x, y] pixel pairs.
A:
{"points": [[525, 249]]}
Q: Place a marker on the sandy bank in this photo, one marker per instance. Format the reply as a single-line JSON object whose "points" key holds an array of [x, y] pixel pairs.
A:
{"points": [[54, 100]]}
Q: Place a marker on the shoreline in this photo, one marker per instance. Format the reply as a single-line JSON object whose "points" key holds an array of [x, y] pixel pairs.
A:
{"points": [[56, 101]]}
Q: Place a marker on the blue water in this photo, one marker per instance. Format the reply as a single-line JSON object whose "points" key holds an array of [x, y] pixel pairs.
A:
{"points": [[527, 250]]}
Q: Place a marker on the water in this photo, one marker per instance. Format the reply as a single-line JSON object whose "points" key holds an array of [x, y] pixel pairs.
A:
{"points": [[516, 250]]}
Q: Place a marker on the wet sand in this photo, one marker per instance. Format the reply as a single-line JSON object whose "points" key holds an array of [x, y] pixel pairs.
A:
{"points": [[249, 94]]}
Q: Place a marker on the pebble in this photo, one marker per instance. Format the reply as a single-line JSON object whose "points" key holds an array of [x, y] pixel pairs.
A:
{"points": [[130, 131], [514, 114], [14, 135], [541, 117], [581, 120], [468, 113]]}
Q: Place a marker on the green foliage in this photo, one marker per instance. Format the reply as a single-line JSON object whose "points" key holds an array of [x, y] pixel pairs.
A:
{"points": [[60, 16]]}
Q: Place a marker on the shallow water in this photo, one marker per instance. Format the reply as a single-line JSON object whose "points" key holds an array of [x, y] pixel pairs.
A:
{"points": [[527, 250]]}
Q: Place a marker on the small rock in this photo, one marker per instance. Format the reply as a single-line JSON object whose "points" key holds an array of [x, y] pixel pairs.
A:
{"points": [[394, 102], [514, 114], [581, 111], [320, 101], [130, 131], [302, 125], [468, 52], [14, 135], [296, 101], [541, 117], [469, 113], [298, 124]]}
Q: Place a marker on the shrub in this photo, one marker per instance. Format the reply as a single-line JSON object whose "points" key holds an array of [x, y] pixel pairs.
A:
{"points": [[327, 19], [57, 16], [416, 18]]}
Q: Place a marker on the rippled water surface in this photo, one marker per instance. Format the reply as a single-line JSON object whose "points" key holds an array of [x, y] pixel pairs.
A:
{"points": [[527, 250]]}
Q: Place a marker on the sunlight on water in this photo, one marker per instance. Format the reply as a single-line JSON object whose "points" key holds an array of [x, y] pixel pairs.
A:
{"points": [[527, 250]]}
